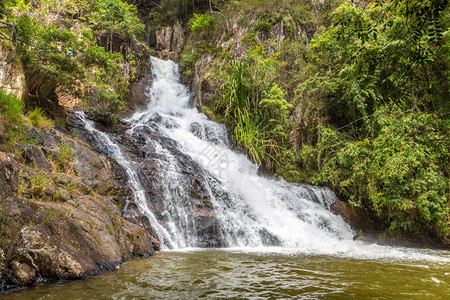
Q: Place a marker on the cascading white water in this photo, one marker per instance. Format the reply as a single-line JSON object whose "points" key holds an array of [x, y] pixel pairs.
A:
{"points": [[253, 212], [116, 152]]}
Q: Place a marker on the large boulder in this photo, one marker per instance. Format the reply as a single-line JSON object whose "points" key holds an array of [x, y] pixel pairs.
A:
{"points": [[68, 240], [352, 215]]}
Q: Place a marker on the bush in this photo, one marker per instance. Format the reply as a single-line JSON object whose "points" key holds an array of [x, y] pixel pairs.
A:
{"points": [[201, 22], [38, 186], [38, 119], [11, 108], [255, 107], [65, 159], [70, 58], [12, 122], [400, 176]]}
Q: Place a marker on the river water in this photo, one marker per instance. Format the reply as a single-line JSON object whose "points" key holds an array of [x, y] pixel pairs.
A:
{"points": [[278, 240], [228, 274]]}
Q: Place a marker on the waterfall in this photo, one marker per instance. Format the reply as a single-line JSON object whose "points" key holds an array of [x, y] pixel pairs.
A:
{"points": [[209, 195]]}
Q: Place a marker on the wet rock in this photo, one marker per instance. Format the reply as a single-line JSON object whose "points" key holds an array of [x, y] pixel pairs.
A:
{"points": [[22, 274], [359, 236], [352, 215], [208, 231], [189, 187]]}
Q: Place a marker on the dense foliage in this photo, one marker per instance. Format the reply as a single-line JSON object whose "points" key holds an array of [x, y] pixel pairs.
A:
{"points": [[355, 98], [380, 75], [15, 123], [58, 40], [115, 16], [255, 106]]}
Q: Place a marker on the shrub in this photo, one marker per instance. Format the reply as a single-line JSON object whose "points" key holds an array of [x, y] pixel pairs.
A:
{"points": [[255, 107], [117, 16], [201, 22], [38, 119], [11, 108], [65, 159], [38, 186], [12, 122], [400, 176], [71, 59]]}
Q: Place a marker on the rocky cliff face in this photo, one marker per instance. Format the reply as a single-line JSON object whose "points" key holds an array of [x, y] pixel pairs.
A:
{"points": [[204, 84], [61, 215], [140, 76], [12, 77], [152, 171], [62, 203], [170, 41]]}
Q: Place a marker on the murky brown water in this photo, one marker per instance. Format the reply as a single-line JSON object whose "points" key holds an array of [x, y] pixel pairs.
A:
{"points": [[233, 275]]}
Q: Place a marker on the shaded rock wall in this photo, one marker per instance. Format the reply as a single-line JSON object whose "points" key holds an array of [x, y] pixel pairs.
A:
{"points": [[170, 41]]}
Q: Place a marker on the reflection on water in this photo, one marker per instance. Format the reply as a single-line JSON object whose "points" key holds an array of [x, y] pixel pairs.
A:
{"points": [[220, 274]]}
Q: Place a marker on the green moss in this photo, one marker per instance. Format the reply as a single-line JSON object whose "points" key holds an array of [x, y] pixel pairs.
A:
{"points": [[111, 229]]}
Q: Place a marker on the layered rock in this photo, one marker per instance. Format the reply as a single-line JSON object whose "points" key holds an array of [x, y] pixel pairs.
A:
{"points": [[170, 41], [61, 216]]}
